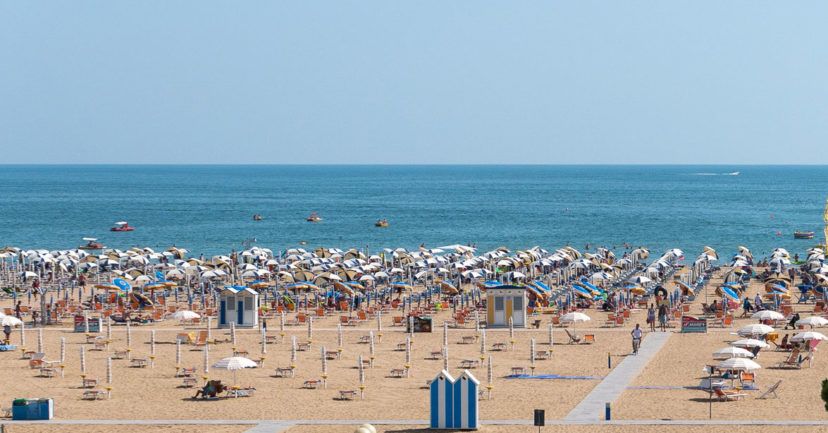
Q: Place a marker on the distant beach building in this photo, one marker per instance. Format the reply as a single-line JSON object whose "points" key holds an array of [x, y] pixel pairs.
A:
{"points": [[238, 305], [504, 303]]}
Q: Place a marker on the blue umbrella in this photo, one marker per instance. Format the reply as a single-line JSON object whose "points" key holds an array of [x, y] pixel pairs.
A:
{"points": [[122, 284]]}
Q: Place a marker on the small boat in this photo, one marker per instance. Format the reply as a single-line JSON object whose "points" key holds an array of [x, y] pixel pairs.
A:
{"points": [[122, 226], [313, 218], [381, 223], [803, 235], [92, 244], [257, 217]]}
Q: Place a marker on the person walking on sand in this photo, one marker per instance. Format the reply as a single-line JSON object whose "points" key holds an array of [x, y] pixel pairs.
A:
{"points": [[651, 318], [662, 317], [636, 338]]}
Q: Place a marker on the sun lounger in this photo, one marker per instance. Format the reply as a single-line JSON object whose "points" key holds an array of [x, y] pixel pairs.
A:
{"points": [[93, 394], [284, 372], [347, 394], [436, 354], [573, 338], [311, 384], [241, 392], [202, 338], [140, 362], [89, 382], [190, 382], [518, 370], [541, 354], [792, 360], [468, 339], [727, 395], [47, 372], [119, 354], [771, 390], [7, 412], [398, 372], [468, 363], [499, 346], [589, 338]]}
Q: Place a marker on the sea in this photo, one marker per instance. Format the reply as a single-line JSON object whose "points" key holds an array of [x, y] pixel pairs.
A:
{"points": [[209, 208]]}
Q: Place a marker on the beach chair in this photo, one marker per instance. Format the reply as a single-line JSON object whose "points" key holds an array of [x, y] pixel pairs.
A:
{"points": [[792, 360], [771, 390], [784, 344], [573, 338], [100, 343], [348, 394], [36, 361], [237, 392], [589, 338], [201, 340], [747, 379], [727, 394], [398, 321], [93, 394], [536, 323], [610, 320]]}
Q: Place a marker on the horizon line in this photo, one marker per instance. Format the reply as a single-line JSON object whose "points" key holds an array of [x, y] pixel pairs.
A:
{"points": [[392, 164]]}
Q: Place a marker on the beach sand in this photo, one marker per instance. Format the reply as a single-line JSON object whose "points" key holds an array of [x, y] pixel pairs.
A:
{"points": [[155, 393]]}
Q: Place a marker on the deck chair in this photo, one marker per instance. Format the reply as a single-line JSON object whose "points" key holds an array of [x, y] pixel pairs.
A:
{"points": [[783, 345], [792, 360], [36, 360], [572, 338], [202, 339], [589, 338], [771, 390], [747, 379], [727, 395]]}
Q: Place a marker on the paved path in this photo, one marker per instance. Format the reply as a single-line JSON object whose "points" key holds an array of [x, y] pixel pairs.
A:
{"points": [[592, 406]]}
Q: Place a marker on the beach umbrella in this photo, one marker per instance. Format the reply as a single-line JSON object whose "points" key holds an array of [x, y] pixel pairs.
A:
{"points": [[109, 377], [310, 330], [754, 329], [13, 321], [379, 322], [185, 315], [733, 352], [482, 344], [532, 355], [511, 330], [324, 367], [234, 363], [371, 347], [62, 349], [361, 379], [738, 364], [264, 342], [407, 355], [152, 348], [177, 353], [129, 340], [551, 335], [767, 315], [22, 329], [209, 328], [206, 358], [641, 280], [108, 330], [339, 335], [82, 360], [282, 322], [40, 340], [233, 334], [445, 333], [812, 321], [808, 336], [749, 342], [445, 358], [292, 350], [574, 317], [489, 377]]}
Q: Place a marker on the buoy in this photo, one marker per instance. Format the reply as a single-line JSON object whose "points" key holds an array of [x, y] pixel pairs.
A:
{"points": [[771, 216], [778, 233]]}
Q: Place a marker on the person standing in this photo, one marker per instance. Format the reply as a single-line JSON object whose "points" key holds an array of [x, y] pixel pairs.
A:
{"points": [[662, 317], [7, 331], [651, 318]]}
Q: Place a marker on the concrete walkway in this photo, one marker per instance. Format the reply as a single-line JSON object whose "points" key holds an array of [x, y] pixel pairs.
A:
{"points": [[591, 408]]}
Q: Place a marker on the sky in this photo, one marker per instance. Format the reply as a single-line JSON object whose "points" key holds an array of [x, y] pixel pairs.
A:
{"points": [[425, 82]]}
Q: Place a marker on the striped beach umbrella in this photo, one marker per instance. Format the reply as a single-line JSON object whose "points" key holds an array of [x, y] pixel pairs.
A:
{"points": [[282, 321], [209, 328], [532, 354], [40, 340], [445, 358], [379, 321], [128, 336], [62, 349], [233, 334], [178, 353], [82, 360], [310, 329], [407, 355], [482, 344], [551, 335], [206, 358], [489, 377], [445, 334], [108, 328], [476, 321], [109, 377], [339, 335], [293, 350], [22, 335], [324, 368], [264, 342], [371, 347]]}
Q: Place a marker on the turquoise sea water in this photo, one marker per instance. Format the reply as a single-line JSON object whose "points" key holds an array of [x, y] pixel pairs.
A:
{"points": [[209, 208]]}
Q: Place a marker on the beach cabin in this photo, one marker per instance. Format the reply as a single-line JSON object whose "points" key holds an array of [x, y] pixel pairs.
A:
{"points": [[238, 305], [504, 303]]}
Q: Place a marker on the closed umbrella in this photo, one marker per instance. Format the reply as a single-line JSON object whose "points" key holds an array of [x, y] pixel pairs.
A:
{"points": [[445, 358], [40, 340], [324, 368], [532, 355], [108, 378], [407, 356], [82, 360], [489, 377], [371, 347], [206, 359], [178, 354]]}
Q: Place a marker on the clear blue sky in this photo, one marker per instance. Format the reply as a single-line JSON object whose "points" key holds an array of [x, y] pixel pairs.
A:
{"points": [[413, 82]]}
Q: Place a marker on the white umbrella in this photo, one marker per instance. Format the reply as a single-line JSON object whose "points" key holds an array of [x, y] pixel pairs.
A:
{"points": [[754, 329], [10, 321], [641, 280], [185, 315], [733, 352], [809, 335], [749, 342], [767, 315], [738, 364], [233, 364], [574, 318], [813, 321]]}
